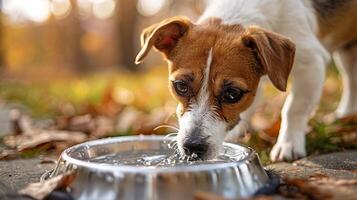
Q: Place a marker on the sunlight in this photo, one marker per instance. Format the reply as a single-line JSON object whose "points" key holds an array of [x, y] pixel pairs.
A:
{"points": [[85, 8], [103, 9], [123, 96], [19, 11], [61, 8], [150, 7]]}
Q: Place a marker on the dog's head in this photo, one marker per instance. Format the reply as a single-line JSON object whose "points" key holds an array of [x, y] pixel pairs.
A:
{"points": [[214, 71]]}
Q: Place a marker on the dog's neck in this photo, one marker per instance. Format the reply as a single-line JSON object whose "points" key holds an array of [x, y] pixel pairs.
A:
{"points": [[243, 12]]}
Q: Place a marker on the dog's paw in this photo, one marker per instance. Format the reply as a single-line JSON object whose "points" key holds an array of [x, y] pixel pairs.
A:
{"points": [[287, 151]]}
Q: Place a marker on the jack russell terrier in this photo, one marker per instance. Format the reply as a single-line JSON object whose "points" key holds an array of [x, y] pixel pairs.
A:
{"points": [[215, 66]]}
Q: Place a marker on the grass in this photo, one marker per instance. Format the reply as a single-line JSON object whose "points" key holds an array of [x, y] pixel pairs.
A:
{"points": [[47, 99]]}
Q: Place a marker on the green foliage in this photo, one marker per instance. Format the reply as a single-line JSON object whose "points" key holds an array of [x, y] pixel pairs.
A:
{"points": [[319, 139], [47, 99]]}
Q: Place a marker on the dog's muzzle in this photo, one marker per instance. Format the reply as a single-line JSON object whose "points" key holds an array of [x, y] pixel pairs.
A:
{"points": [[196, 144]]}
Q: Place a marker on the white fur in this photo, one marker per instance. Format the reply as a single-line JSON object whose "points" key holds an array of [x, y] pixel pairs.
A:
{"points": [[202, 114], [203, 95], [296, 20], [346, 61]]}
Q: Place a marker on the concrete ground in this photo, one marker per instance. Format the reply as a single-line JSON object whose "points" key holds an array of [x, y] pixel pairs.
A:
{"points": [[333, 175], [329, 176], [16, 174], [342, 165]]}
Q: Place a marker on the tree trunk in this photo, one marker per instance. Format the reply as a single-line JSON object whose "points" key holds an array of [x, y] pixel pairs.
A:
{"points": [[127, 18], [75, 33], [2, 49]]}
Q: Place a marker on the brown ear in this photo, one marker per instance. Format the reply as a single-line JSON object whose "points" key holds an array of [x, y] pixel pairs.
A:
{"points": [[163, 36], [274, 52]]}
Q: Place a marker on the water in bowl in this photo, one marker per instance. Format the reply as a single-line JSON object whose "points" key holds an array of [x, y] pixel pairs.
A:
{"points": [[163, 157]]}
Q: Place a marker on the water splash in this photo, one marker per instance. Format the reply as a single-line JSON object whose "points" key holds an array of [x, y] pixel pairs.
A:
{"points": [[168, 155]]}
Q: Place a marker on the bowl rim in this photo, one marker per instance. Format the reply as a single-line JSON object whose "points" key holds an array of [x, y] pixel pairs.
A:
{"points": [[142, 169]]}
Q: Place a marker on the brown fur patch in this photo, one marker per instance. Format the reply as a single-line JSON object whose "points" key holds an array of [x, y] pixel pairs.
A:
{"points": [[337, 27], [233, 60]]}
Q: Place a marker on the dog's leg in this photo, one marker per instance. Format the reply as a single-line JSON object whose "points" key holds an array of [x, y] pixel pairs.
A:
{"points": [[241, 128], [346, 61], [307, 82]]}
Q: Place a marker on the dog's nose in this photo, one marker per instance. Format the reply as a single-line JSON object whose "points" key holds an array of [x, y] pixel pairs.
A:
{"points": [[199, 147]]}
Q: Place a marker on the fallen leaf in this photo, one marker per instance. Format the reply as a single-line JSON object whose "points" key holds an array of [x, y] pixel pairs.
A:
{"points": [[40, 190], [127, 118], [333, 181], [304, 188], [260, 197], [148, 123], [317, 176], [272, 131], [200, 195], [21, 123], [23, 142], [8, 154], [109, 106], [46, 159], [81, 123], [103, 126], [351, 119]]}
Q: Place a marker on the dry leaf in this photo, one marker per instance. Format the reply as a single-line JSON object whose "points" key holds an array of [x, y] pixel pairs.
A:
{"points": [[304, 188], [23, 142], [272, 131], [148, 123], [80, 123], [8, 154], [200, 195], [260, 197], [351, 119], [46, 159], [332, 181], [22, 124], [104, 126], [317, 176], [51, 136], [109, 106], [127, 118], [269, 129], [40, 190]]}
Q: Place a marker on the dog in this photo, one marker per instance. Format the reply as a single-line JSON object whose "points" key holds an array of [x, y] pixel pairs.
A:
{"points": [[216, 65]]}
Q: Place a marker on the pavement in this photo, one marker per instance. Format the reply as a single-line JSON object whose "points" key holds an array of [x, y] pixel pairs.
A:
{"points": [[16, 174], [329, 176], [340, 165], [332, 176]]}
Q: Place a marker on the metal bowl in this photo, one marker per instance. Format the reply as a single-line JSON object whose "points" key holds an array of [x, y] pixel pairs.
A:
{"points": [[93, 180]]}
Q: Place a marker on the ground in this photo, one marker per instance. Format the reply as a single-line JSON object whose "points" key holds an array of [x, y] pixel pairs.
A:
{"points": [[331, 176], [16, 174], [328, 176]]}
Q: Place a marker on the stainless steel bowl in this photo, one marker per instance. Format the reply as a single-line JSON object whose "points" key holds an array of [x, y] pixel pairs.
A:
{"points": [[232, 179]]}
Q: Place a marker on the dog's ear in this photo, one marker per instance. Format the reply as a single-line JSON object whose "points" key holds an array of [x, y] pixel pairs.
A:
{"points": [[274, 52], [163, 36]]}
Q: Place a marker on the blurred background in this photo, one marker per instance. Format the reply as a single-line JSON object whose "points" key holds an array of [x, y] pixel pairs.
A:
{"points": [[69, 65], [63, 56]]}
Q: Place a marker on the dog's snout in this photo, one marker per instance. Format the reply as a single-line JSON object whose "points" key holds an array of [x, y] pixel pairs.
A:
{"points": [[197, 146]]}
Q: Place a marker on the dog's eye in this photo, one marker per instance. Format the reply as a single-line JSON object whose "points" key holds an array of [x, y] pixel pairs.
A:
{"points": [[181, 88], [232, 95]]}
